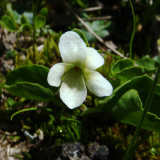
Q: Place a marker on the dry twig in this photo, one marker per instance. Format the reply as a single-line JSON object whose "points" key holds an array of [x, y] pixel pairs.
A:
{"points": [[94, 34], [90, 9], [98, 18]]}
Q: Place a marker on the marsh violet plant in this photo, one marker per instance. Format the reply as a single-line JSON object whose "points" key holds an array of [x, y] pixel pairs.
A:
{"points": [[77, 71]]}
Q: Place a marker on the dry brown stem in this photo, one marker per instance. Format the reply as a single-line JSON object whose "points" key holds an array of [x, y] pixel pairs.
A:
{"points": [[94, 34]]}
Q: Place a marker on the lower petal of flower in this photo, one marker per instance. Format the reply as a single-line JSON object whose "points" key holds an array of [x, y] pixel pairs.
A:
{"points": [[56, 72], [73, 91], [97, 84]]}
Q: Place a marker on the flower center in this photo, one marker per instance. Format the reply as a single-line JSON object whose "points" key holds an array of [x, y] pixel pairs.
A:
{"points": [[76, 69]]}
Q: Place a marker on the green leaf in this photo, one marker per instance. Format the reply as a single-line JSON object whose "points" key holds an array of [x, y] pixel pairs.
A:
{"points": [[44, 12], [13, 13], [103, 33], [129, 109], [8, 23], [30, 82], [24, 27], [99, 27], [30, 91], [80, 33], [39, 21], [127, 100], [138, 83], [30, 73], [147, 62], [24, 20], [124, 70], [151, 121], [120, 65], [10, 101], [130, 72]]}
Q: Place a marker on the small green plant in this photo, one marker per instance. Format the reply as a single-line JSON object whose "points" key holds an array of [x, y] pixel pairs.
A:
{"points": [[100, 94]]}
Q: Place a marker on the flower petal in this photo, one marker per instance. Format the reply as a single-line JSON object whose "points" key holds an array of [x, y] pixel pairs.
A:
{"points": [[56, 72], [97, 84], [73, 91], [93, 59], [72, 48]]}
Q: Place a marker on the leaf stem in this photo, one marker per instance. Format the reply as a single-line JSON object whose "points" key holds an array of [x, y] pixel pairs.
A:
{"points": [[34, 8], [134, 30], [146, 108], [34, 44]]}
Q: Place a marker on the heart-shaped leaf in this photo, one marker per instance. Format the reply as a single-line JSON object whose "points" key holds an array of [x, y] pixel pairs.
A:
{"points": [[39, 21], [44, 12]]}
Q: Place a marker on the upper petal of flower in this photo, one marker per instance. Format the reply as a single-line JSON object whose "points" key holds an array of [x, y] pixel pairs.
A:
{"points": [[56, 72], [97, 84], [72, 48], [93, 59], [73, 91]]}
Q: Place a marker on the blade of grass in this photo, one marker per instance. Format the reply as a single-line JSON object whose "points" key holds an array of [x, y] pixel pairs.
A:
{"points": [[23, 110]]}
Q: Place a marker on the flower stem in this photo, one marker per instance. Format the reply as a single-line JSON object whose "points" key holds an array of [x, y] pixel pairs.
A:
{"points": [[146, 108], [134, 30]]}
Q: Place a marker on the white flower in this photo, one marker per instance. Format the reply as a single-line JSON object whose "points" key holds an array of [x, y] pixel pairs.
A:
{"points": [[77, 71]]}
